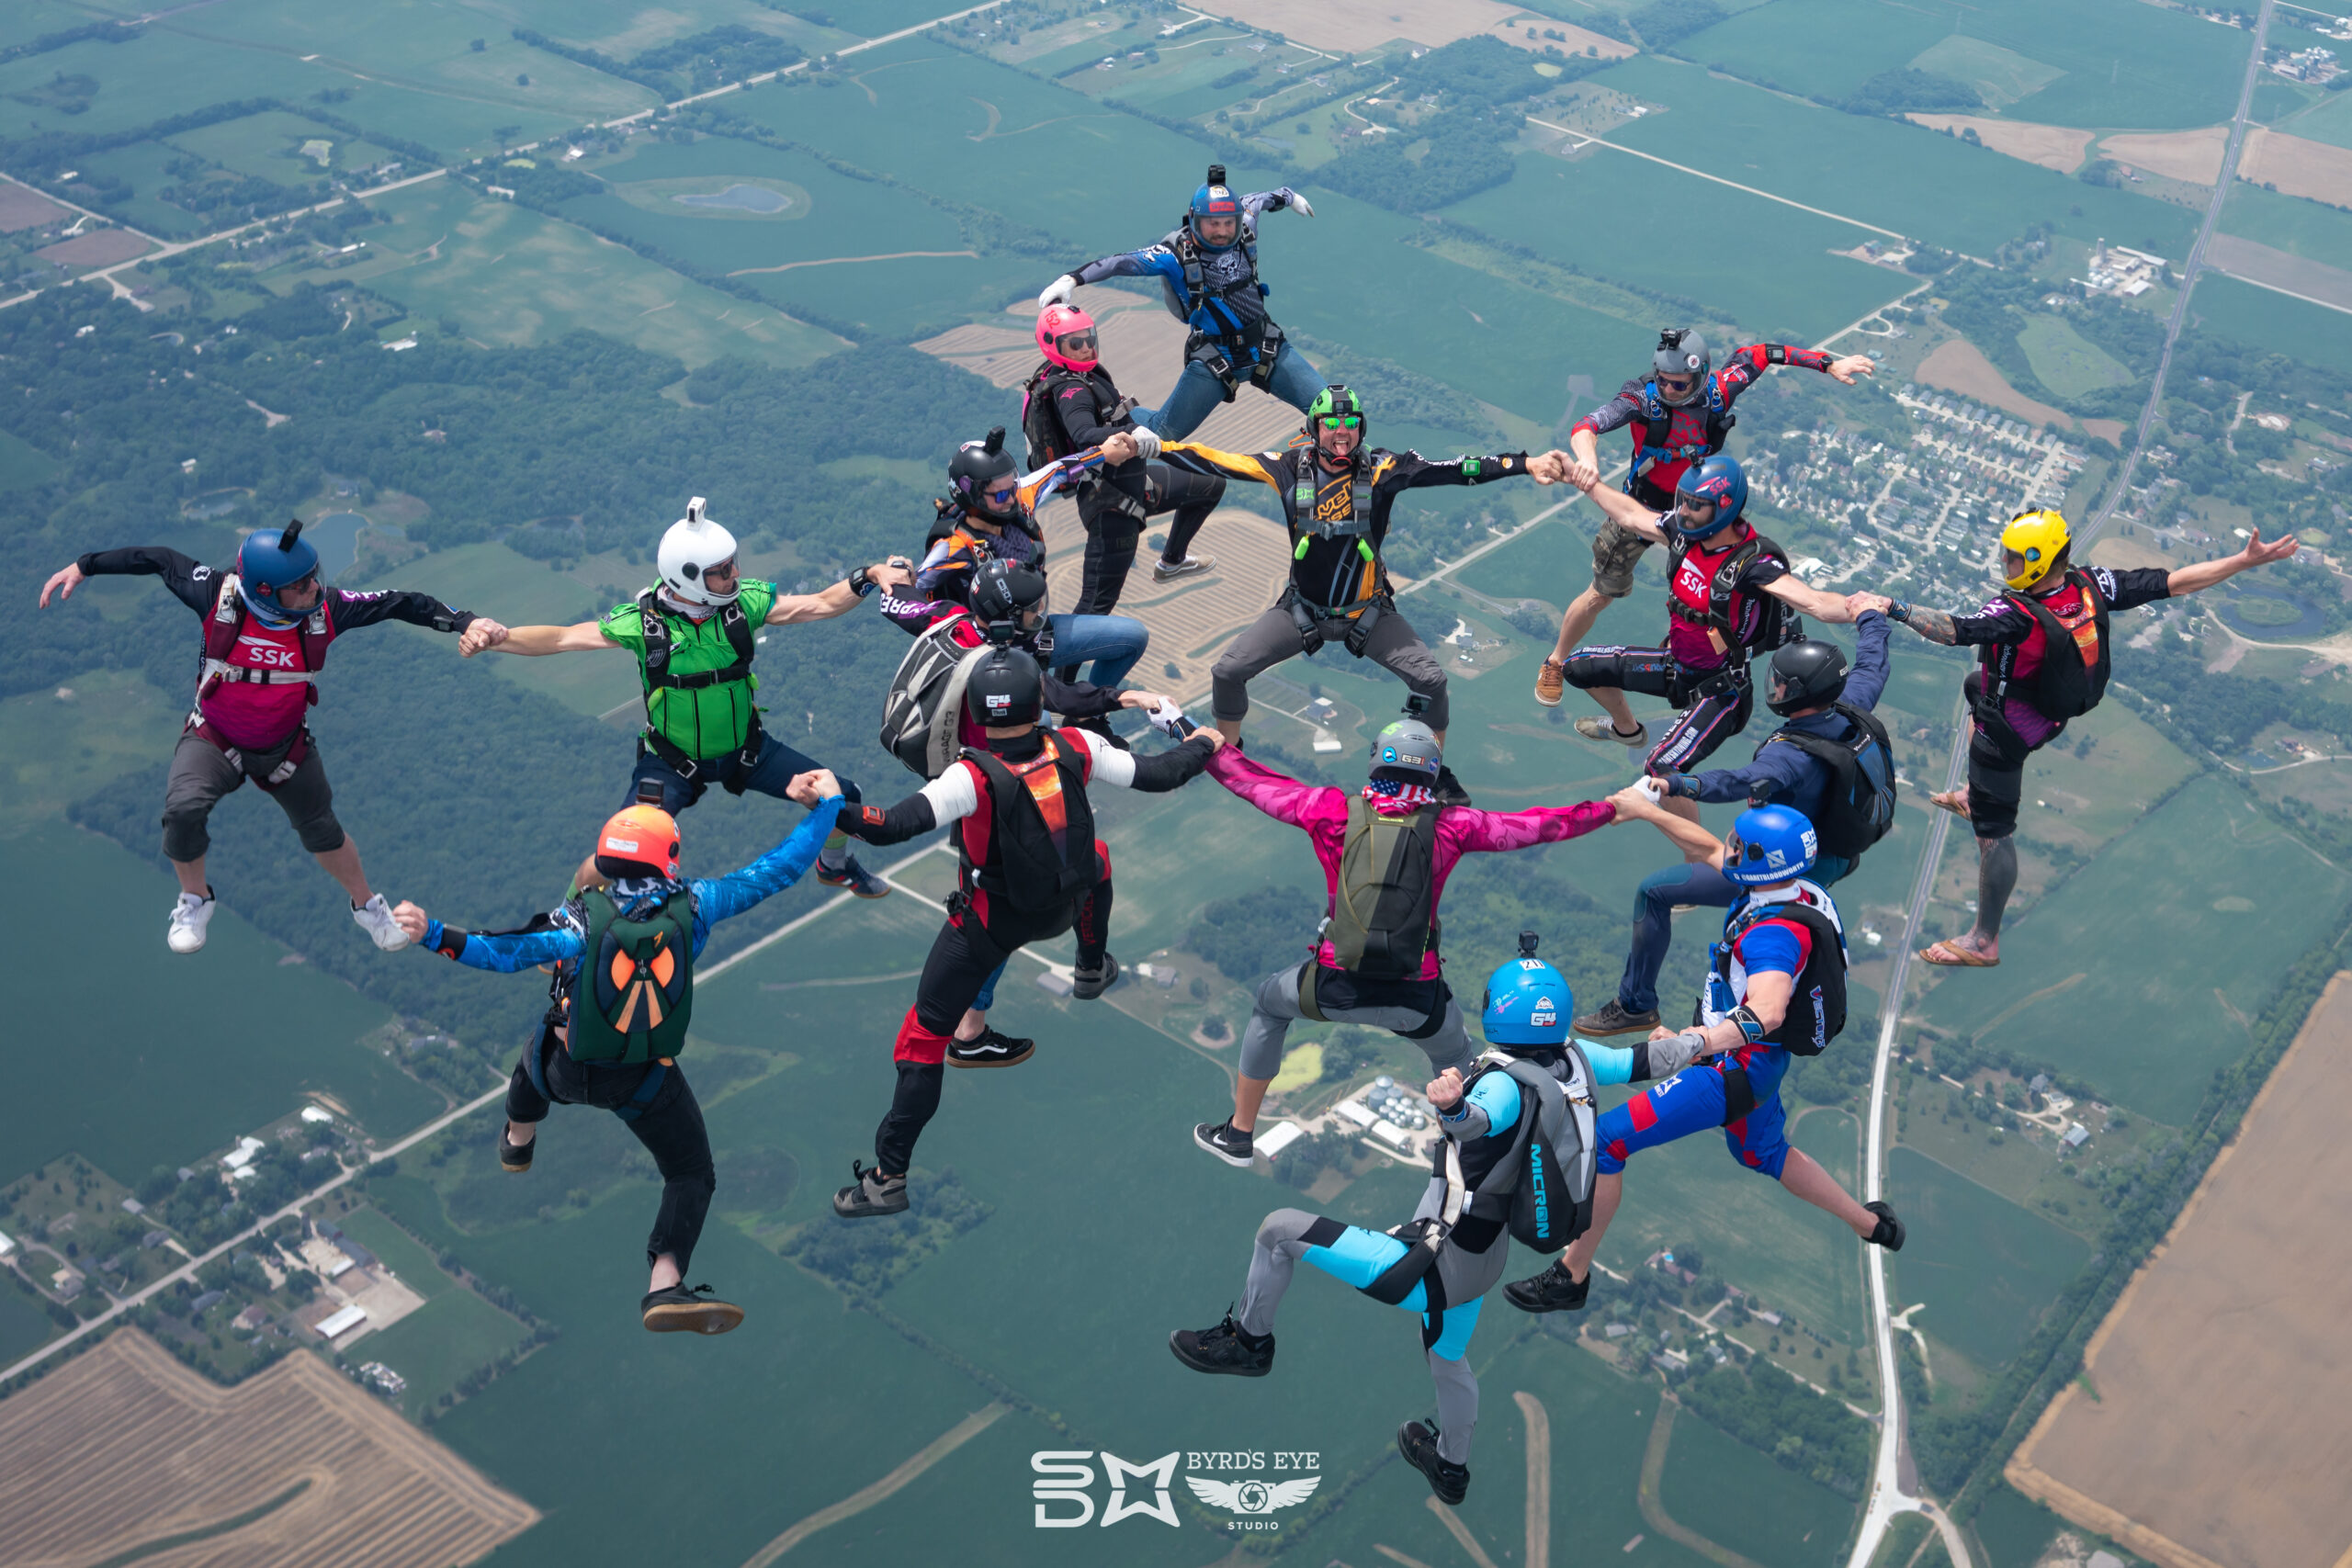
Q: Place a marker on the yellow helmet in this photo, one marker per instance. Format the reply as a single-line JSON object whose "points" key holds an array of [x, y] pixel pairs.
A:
{"points": [[2039, 537]]}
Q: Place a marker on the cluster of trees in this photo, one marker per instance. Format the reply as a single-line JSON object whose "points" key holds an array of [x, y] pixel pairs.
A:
{"points": [[1662, 24], [1466, 145], [693, 65], [1807, 1432], [1893, 94], [865, 1260]]}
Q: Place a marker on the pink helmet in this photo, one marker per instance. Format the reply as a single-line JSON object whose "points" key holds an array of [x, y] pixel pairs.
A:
{"points": [[1057, 322]]}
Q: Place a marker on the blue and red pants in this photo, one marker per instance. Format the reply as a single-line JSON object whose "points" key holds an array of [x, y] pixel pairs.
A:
{"points": [[1697, 1099]]}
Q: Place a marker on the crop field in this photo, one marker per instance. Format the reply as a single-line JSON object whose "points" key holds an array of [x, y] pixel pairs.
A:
{"points": [[527, 594], [2329, 120], [2102, 62], [2298, 167], [2221, 901], [2235, 1455], [324, 1473], [2053, 146], [1986, 1268], [60, 749], [1787, 281], [1958, 365], [2308, 229], [454, 1333], [2266, 318], [1767, 1513], [270, 145], [1880, 171], [29, 19], [512, 276], [2013, 1529], [2068, 364]]}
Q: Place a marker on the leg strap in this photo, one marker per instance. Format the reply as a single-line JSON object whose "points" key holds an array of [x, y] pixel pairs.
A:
{"points": [[655, 1076]]}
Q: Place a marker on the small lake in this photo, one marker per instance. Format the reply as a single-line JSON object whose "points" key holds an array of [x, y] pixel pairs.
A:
{"points": [[2307, 622], [337, 539], [739, 199]]}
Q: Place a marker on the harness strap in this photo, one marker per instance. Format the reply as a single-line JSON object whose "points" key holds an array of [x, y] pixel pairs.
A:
{"points": [[277, 777], [647, 1086], [218, 672]]}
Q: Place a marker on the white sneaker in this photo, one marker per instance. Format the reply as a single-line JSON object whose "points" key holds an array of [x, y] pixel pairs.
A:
{"points": [[1600, 726], [189, 917], [375, 917], [1166, 571]]}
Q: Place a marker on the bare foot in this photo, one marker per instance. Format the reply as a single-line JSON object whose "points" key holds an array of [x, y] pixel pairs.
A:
{"points": [[1963, 953]]}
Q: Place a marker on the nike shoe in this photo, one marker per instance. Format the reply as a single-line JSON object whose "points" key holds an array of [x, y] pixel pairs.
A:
{"points": [[872, 1194], [1228, 1349], [1551, 681], [1419, 1444], [678, 1310], [513, 1158], [854, 877], [1085, 984], [1889, 1233], [1168, 571], [375, 917], [1600, 726], [189, 917], [1225, 1141], [1615, 1017], [990, 1050], [1551, 1291]]}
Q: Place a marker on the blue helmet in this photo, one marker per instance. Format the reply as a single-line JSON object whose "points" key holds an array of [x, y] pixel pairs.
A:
{"points": [[1718, 480], [1767, 845], [1214, 200], [271, 560], [1528, 1004]]}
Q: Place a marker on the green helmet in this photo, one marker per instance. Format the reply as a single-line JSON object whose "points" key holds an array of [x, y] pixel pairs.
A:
{"points": [[1335, 402]]}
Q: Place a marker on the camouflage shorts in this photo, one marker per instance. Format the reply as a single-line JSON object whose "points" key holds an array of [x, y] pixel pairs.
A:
{"points": [[1615, 552]]}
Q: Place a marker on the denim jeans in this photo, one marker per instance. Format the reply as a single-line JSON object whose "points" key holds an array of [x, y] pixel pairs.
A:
{"points": [[1113, 642], [1199, 394], [1653, 904]]}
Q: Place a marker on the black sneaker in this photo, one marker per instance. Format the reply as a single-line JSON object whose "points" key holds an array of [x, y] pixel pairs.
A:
{"points": [[1085, 984], [1227, 1349], [1889, 1233], [513, 1158], [990, 1050], [854, 877], [871, 1194], [1551, 1291], [1225, 1141], [1419, 1444], [1616, 1019], [682, 1311], [1100, 728], [1448, 790]]}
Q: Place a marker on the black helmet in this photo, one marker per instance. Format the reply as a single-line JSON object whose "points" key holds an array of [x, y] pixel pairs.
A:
{"points": [[975, 466], [1681, 351], [1005, 689], [1001, 593], [1808, 674]]}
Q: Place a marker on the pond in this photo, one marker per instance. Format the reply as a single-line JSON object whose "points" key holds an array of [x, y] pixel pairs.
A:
{"points": [[2270, 614], [337, 539], [738, 198]]}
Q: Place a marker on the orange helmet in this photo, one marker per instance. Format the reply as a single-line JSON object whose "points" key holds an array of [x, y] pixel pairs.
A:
{"points": [[638, 841]]}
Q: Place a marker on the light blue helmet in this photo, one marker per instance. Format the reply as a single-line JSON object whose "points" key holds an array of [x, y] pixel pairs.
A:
{"points": [[271, 560], [1767, 845], [1527, 1004], [1716, 478]]}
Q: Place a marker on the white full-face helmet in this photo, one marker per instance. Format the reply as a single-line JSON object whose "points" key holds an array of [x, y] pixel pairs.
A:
{"points": [[692, 547]]}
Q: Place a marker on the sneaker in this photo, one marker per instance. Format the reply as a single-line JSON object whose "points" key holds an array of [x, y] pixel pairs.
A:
{"points": [[1100, 728], [1551, 1291], [1550, 681], [375, 917], [1448, 790], [189, 917], [854, 877], [1419, 1444], [1225, 1141], [1085, 984], [681, 1310], [1889, 1233], [513, 1158], [1170, 570], [1228, 1349], [871, 1194], [1600, 726], [1616, 1018], [990, 1050]]}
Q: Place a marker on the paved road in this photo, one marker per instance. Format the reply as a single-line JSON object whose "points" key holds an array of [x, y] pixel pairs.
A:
{"points": [[1893, 1482]]}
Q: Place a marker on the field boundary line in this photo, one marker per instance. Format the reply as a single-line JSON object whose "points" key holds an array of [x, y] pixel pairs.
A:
{"points": [[1588, 139], [2258, 283], [865, 1497], [837, 261], [1653, 1501]]}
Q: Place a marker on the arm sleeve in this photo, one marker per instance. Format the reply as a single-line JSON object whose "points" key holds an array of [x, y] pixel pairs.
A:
{"points": [[1747, 366], [1239, 465], [1161, 772], [1477, 831], [947, 798], [1285, 800], [1609, 1063], [1152, 261], [190, 582], [1998, 622], [1489, 1110], [1615, 414], [1779, 767], [724, 898], [354, 610], [505, 953], [1414, 471], [1074, 406], [1079, 699], [1773, 947], [1866, 683], [2130, 589]]}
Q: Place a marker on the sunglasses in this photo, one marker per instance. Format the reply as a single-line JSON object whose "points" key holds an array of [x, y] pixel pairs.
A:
{"points": [[1078, 345], [1341, 420], [1677, 383], [1000, 494]]}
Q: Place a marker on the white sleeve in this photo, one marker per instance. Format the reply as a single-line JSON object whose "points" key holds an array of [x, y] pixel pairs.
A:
{"points": [[1112, 766], [952, 795]]}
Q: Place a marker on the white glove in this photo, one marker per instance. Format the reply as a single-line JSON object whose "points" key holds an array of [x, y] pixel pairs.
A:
{"points": [[1146, 441], [1165, 717], [1057, 292], [1301, 206], [1653, 786]]}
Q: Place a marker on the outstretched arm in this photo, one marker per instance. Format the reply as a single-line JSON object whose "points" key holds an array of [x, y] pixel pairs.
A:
{"points": [[191, 582], [1284, 799], [1934, 624], [1634, 801], [1831, 607], [501, 952], [1617, 506], [723, 897], [2206, 573], [1158, 773]]}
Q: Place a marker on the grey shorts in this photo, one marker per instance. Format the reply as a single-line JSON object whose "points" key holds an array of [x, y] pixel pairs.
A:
{"points": [[1616, 551], [203, 774]]}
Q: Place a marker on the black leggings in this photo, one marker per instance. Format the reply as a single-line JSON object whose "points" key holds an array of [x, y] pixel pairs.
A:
{"points": [[1704, 724], [1114, 512], [668, 1122]]}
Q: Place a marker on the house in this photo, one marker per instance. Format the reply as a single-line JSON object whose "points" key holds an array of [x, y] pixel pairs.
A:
{"points": [[252, 1317], [2076, 1135]]}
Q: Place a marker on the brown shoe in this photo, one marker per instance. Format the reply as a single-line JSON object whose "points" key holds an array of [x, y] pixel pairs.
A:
{"points": [[1550, 681]]}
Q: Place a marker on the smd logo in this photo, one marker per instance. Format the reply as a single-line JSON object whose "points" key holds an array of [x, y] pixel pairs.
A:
{"points": [[1247, 1484]]}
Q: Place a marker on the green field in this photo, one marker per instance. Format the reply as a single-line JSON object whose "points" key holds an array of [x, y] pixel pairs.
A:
{"points": [[622, 29], [270, 145], [2265, 319], [29, 20], [2068, 364], [510, 276], [522, 592], [1786, 281], [141, 166], [1986, 1268], [24, 1324], [2097, 62], [1732, 1494], [2329, 120], [2289, 223], [454, 1333], [2013, 1529], [1899, 176], [59, 750]]}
